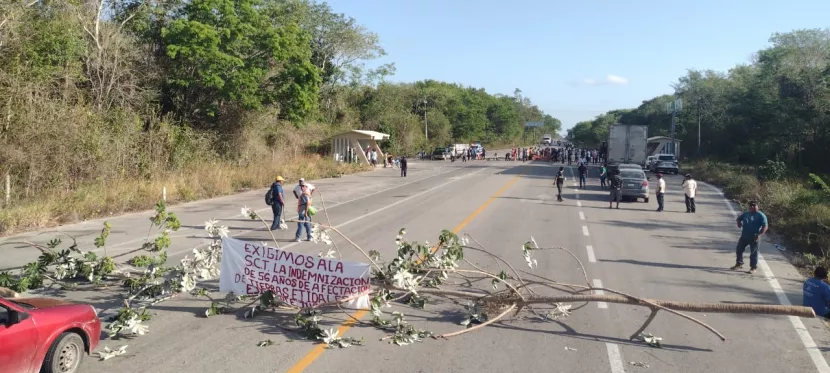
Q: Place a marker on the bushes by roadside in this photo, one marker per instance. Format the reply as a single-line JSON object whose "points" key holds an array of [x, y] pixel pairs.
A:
{"points": [[116, 196], [798, 206]]}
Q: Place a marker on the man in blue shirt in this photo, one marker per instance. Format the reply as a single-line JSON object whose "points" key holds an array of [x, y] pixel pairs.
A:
{"points": [[817, 293], [753, 224], [277, 202]]}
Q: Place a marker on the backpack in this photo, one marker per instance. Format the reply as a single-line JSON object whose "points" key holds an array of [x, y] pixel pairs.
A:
{"points": [[269, 196]]}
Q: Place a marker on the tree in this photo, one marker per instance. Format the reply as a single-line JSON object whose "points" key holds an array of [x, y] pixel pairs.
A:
{"points": [[227, 54]]}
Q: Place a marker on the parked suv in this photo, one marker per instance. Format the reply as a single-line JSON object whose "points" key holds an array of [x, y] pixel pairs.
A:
{"points": [[666, 163]]}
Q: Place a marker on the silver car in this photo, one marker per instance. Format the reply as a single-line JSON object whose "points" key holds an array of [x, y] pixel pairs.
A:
{"points": [[634, 184]]}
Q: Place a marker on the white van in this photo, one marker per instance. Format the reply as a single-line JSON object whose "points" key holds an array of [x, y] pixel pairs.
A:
{"points": [[547, 139]]}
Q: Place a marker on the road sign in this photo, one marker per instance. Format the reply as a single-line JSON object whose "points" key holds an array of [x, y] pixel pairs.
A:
{"points": [[674, 106]]}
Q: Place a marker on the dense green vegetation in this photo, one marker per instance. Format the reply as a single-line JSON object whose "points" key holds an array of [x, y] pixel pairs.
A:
{"points": [[764, 128], [104, 102], [775, 107]]}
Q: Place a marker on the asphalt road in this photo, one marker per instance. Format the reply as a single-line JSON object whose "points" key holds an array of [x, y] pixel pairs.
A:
{"points": [[670, 255]]}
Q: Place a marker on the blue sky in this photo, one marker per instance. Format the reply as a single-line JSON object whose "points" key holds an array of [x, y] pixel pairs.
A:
{"points": [[575, 59]]}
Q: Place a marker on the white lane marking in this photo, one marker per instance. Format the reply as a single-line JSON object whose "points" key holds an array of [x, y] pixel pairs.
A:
{"points": [[591, 257], [585, 230], [370, 213], [579, 203], [614, 358], [581, 215], [598, 284], [803, 334], [330, 206]]}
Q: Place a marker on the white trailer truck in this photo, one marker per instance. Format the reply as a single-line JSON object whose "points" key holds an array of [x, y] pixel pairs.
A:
{"points": [[627, 143]]}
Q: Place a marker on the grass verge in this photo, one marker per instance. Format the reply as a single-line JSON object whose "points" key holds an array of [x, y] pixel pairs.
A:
{"points": [[797, 206], [113, 197]]}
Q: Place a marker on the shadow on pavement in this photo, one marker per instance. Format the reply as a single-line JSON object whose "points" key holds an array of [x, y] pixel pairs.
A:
{"points": [[662, 265], [570, 332]]}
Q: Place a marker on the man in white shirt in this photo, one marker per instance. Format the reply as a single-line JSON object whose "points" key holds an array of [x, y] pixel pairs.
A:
{"points": [[661, 191], [298, 190], [373, 158], [690, 188]]}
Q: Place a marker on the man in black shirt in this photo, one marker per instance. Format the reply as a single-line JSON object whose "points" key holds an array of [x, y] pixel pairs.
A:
{"points": [[403, 166], [616, 188], [560, 181], [583, 175]]}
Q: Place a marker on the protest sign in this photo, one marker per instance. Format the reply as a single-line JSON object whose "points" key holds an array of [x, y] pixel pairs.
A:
{"points": [[300, 280]]}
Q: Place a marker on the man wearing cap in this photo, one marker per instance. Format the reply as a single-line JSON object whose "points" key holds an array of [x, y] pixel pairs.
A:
{"points": [[753, 224], [298, 190], [661, 191], [690, 189], [277, 201]]}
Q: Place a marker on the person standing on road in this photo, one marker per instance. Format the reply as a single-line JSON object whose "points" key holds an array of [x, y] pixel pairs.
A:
{"points": [[560, 181], [690, 189], [277, 199], [661, 191], [403, 166], [583, 174], [817, 293], [298, 190], [603, 174], [616, 188], [753, 224], [303, 219]]}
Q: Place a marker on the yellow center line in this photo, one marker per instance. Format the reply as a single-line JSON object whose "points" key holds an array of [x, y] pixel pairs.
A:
{"points": [[320, 348]]}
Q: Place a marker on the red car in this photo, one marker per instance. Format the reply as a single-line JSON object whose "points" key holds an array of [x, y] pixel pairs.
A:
{"points": [[46, 335]]}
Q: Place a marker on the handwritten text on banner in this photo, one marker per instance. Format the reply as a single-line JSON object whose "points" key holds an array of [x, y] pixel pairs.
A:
{"points": [[298, 279]]}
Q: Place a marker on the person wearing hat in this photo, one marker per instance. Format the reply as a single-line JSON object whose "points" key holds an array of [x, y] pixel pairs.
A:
{"points": [[690, 189], [277, 201], [661, 191], [753, 224], [303, 215], [298, 190]]}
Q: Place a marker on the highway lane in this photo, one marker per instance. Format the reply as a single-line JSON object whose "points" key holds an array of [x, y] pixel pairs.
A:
{"points": [[669, 255]]}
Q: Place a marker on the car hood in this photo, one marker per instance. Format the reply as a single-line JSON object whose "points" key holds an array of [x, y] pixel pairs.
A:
{"points": [[40, 303]]}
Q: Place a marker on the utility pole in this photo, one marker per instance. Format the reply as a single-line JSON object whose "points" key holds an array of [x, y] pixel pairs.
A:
{"points": [[426, 134], [698, 127], [673, 107]]}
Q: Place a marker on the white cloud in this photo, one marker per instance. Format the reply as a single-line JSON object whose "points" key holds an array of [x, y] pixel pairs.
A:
{"points": [[609, 79], [613, 79]]}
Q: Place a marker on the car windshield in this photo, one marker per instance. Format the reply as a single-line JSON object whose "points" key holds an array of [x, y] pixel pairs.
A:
{"points": [[632, 175]]}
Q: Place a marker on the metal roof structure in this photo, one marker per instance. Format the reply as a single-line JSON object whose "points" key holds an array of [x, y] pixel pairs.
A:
{"points": [[374, 135]]}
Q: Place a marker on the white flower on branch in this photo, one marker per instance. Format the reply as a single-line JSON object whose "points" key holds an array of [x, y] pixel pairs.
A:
{"points": [[405, 280], [215, 230], [318, 234], [329, 336], [561, 310], [651, 340], [526, 253], [107, 353], [249, 212], [136, 327], [535, 245], [328, 254]]}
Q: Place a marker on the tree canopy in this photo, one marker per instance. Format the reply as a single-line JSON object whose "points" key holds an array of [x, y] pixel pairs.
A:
{"points": [[135, 88], [774, 107]]}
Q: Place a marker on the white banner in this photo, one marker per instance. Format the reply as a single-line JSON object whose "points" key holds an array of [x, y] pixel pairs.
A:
{"points": [[298, 279]]}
